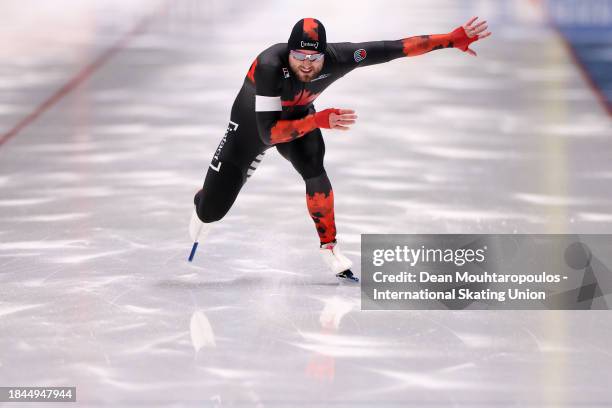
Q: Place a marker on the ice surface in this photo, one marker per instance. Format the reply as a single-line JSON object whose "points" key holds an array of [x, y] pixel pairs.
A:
{"points": [[96, 193]]}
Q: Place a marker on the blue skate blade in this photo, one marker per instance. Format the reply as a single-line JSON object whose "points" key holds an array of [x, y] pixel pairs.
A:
{"points": [[193, 251]]}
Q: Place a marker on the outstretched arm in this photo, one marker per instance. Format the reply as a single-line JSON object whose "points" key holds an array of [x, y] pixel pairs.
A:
{"points": [[377, 52], [460, 38]]}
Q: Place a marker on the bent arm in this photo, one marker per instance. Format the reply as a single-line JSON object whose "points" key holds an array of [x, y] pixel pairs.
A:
{"points": [[268, 109], [273, 130]]}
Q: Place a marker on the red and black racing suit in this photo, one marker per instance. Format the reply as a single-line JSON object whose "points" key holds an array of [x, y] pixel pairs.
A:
{"points": [[274, 108]]}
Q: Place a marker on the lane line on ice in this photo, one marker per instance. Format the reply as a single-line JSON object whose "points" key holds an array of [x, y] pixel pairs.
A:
{"points": [[86, 72]]}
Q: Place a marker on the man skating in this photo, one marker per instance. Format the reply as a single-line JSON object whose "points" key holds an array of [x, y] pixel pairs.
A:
{"points": [[275, 108]]}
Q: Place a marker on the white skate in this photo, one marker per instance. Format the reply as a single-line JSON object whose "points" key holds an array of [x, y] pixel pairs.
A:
{"points": [[198, 231], [337, 262]]}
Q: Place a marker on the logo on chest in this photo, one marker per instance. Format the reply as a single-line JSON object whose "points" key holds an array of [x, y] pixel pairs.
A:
{"points": [[322, 76], [305, 97]]}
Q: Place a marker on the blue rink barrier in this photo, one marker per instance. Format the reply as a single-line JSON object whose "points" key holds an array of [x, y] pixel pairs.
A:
{"points": [[586, 26]]}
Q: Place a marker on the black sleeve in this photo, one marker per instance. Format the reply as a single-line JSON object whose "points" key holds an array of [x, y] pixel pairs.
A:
{"points": [[267, 85], [349, 56]]}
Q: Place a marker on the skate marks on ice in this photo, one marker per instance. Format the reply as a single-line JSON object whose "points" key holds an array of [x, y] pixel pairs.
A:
{"points": [[92, 247]]}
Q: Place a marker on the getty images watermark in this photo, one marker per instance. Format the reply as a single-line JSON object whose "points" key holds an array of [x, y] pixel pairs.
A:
{"points": [[486, 272]]}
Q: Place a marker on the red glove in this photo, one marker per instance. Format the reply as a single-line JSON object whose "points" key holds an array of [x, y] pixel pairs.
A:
{"points": [[322, 118], [460, 39]]}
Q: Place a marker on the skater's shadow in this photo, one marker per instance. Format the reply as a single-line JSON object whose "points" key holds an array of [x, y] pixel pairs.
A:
{"points": [[319, 283], [238, 282]]}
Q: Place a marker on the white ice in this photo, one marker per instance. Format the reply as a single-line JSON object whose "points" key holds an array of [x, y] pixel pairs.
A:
{"points": [[96, 195]]}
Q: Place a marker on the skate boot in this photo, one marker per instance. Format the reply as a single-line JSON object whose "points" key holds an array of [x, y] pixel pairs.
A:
{"points": [[198, 231], [337, 262]]}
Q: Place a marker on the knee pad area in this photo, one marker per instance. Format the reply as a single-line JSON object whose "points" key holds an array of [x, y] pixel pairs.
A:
{"points": [[319, 183], [219, 192], [211, 212], [310, 169]]}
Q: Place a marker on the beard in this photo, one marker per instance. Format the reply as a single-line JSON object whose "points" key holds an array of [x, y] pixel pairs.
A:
{"points": [[306, 76]]}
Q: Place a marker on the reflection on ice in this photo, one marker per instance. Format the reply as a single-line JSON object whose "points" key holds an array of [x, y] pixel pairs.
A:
{"points": [[237, 374], [17, 202], [8, 309], [201, 331], [96, 193], [419, 379], [43, 245], [595, 217], [553, 200], [52, 217], [334, 311], [467, 153]]}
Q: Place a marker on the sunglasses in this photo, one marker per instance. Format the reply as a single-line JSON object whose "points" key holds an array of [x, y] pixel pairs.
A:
{"points": [[300, 56]]}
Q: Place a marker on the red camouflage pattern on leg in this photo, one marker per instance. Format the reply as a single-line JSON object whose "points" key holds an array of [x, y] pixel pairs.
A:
{"points": [[321, 209]]}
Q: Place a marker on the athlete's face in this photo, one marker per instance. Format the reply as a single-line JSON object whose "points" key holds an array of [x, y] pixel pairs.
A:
{"points": [[306, 70]]}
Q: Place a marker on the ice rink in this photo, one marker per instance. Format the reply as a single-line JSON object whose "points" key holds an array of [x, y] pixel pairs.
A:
{"points": [[109, 115]]}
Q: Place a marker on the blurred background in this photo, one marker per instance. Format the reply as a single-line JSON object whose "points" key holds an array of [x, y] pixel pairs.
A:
{"points": [[110, 112]]}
